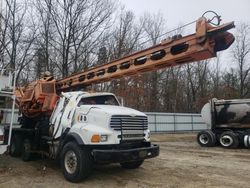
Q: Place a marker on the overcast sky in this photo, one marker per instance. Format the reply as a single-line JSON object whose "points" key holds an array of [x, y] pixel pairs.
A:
{"points": [[184, 11], [178, 12]]}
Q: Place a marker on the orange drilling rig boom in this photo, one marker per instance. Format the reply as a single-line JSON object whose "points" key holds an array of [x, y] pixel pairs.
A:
{"points": [[39, 97]]}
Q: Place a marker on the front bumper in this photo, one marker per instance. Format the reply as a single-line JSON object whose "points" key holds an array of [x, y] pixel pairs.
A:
{"points": [[125, 155]]}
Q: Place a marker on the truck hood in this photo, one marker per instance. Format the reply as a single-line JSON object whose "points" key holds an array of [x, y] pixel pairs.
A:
{"points": [[111, 110]]}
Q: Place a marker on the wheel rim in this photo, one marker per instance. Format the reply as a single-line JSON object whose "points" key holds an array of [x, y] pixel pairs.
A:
{"points": [[204, 139], [226, 141], [70, 161]]}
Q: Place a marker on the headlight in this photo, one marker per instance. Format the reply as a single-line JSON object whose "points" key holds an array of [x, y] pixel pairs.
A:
{"points": [[148, 137], [104, 138]]}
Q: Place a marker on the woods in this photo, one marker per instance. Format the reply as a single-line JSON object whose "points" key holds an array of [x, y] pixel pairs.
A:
{"points": [[68, 36]]}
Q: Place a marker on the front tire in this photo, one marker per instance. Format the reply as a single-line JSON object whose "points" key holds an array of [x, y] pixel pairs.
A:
{"points": [[76, 162], [206, 138], [16, 145], [132, 165]]}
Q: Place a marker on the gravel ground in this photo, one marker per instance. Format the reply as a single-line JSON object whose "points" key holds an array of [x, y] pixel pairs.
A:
{"points": [[182, 163]]}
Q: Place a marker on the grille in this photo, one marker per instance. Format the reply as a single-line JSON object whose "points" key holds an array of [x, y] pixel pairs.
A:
{"points": [[131, 127]]}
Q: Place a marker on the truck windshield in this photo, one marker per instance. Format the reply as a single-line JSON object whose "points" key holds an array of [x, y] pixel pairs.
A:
{"points": [[99, 100]]}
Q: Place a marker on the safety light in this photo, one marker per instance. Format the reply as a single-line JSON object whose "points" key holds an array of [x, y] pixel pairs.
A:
{"points": [[96, 138]]}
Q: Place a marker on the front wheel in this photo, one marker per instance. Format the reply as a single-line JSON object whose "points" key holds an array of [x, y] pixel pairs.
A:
{"points": [[16, 145], [76, 162], [132, 165], [206, 138]]}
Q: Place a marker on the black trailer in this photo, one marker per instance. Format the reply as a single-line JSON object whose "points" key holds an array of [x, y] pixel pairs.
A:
{"points": [[229, 121]]}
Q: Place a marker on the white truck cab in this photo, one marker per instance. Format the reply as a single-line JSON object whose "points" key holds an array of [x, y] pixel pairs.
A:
{"points": [[83, 129], [105, 131], [98, 118]]}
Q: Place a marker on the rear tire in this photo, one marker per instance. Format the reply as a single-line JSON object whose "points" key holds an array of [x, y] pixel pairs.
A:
{"points": [[76, 162], [229, 139], [16, 145], [206, 138], [247, 141], [132, 165], [26, 150]]}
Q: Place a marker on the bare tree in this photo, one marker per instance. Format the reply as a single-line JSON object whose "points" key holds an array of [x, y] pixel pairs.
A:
{"points": [[197, 84], [17, 37], [230, 84], [75, 26], [43, 8], [215, 75], [241, 54], [124, 40], [125, 37], [154, 27]]}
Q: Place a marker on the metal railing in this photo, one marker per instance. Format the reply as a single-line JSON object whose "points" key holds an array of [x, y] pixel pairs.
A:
{"points": [[6, 83], [7, 88], [5, 121], [175, 122]]}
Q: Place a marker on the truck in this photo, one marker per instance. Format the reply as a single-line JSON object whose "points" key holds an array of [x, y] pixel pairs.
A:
{"points": [[62, 121], [229, 122]]}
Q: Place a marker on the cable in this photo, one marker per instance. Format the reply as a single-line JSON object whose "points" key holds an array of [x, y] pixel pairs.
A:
{"points": [[185, 25]]}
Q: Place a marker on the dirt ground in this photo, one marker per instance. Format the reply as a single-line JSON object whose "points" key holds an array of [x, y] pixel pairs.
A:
{"points": [[182, 163]]}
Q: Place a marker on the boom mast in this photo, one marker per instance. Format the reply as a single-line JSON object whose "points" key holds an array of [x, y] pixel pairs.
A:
{"points": [[174, 51], [39, 97]]}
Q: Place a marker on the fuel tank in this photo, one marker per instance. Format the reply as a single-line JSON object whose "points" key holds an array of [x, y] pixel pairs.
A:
{"points": [[227, 113]]}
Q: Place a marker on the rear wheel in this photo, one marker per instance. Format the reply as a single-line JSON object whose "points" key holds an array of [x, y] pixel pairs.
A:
{"points": [[76, 162], [132, 165], [206, 138], [16, 145], [247, 141], [229, 139]]}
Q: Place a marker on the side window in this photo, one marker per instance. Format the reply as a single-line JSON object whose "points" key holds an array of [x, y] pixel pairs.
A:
{"points": [[87, 101], [110, 100], [99, 100]]}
